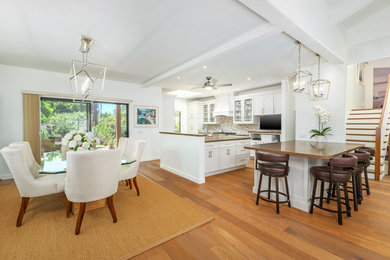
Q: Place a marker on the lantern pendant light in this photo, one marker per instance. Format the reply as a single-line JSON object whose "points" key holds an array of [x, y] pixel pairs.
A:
{"points": [[319, 89], [300, 81], [86, 79]]}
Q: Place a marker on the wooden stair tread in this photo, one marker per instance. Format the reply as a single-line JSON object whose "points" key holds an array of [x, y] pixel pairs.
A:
{"points": [[360, 128], [372, 171], [362, 118], [378, 113], [364, 141], [361, 134], [365, 109], [361, 123]]}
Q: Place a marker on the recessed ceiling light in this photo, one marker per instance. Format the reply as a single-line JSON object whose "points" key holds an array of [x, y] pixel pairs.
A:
{"points": [[248, 78], [178, 77], [205, 67]]}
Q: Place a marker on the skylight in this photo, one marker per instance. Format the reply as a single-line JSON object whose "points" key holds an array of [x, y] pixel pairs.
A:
{"points": [[183, 93]]}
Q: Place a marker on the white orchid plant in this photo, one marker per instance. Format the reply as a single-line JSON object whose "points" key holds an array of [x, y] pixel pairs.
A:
{"points": [[323, 118], [80, 141]]}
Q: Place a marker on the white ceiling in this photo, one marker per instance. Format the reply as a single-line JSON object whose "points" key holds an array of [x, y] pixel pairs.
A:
{"points": [[266, 62], [140, 40], [137, 40]]}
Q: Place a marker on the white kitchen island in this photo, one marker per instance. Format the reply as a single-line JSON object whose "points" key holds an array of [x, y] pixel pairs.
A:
{"points": [[303, 155], [196, 156]]}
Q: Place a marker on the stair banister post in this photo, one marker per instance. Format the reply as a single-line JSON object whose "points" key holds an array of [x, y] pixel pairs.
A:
{"points": [[377, 152]]}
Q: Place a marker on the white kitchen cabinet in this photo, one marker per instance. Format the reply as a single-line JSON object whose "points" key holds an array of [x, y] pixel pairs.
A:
{"points": [[266, 104], [227, 157], [194, 117], [212, 160], [257, 105], [277, 103], [208, 113], [243, 110]]}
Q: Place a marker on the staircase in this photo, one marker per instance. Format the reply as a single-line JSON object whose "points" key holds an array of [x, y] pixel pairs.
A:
{"points": [[361, 127]]}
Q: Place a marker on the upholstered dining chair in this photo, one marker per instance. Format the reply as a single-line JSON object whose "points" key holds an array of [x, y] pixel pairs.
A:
{"points": [[122, 144], [28, 185], [29, 157], [91, 176], [128, 173]]}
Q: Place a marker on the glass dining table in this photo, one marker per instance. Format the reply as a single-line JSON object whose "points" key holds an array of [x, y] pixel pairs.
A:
{"points": [[54, 162]]}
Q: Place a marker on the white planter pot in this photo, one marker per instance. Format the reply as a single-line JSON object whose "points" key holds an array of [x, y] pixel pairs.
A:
{"points": [[320, 138]]}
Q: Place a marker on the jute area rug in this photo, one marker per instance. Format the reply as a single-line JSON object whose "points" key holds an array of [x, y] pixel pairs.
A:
{"points": [[144, 222]]}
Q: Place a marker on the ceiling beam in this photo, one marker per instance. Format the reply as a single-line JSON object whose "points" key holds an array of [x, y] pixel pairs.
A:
{"points": [[306, 21], [262, 32], [347, 9]]}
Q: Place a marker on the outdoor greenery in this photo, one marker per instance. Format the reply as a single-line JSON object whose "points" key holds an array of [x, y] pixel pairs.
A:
{"points": [[59, 118]]}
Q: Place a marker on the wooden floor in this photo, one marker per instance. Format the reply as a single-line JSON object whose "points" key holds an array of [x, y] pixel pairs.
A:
{"points": [[242, 230]]}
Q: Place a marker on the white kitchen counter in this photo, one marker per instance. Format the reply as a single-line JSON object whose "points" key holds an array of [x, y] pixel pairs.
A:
{"points": [[196, 156]]}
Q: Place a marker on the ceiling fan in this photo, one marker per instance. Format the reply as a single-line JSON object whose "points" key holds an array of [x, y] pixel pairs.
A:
{"points": [[210, 84]]}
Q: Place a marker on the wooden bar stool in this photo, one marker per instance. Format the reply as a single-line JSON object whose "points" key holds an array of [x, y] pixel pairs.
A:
{"points": [[363, 159], [339, 171], [272, 166], [371, 151]]}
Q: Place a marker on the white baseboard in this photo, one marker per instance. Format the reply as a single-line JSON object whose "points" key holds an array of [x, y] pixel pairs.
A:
{"points": [[182, 174], [224, 170], [6, 176], [150, 158]]}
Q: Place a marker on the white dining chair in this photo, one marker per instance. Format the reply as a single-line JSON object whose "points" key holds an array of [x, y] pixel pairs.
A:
{"points": [[29, 157], [122, 144], [91, 176], [28, 185], [128, 173]]}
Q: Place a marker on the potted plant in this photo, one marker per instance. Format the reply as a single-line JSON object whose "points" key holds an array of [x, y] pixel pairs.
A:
{"points": [[323, 118]]}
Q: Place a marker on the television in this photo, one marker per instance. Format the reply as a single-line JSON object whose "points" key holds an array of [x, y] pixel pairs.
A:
{"points": [[271, 122]]}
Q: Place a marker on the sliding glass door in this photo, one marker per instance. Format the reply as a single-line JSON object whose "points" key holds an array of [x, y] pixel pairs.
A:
{"points": [[60, 116]]}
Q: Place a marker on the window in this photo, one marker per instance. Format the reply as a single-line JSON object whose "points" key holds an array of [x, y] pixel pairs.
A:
{"points": [[178, 121], [60, 116]]}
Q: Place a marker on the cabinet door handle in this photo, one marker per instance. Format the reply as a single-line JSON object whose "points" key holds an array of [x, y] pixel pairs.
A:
{"points": [[228, 151], [210, 154], [262, 110]]}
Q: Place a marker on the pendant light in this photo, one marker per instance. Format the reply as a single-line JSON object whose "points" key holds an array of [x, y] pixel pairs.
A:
{"points": [[86, 79], [299, 82], [319, 89]]}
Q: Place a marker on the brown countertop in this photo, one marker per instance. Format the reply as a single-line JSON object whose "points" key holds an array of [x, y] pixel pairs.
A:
{"points": [[188, 134], [325, 150], [220, 138]]}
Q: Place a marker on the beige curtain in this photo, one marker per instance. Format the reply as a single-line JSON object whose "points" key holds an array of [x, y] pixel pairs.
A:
{"points": [[32, 123]]}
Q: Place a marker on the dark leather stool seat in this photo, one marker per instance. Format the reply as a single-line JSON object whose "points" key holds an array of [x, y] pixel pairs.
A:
{"points": [[371, 151], [274, 169], [272, 166], [338, 172], [323, 173]]}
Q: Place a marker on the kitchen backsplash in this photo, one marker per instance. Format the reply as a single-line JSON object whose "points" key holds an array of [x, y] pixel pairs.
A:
{"points": [[227, 126]]}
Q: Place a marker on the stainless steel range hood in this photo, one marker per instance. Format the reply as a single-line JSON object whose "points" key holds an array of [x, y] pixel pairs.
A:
{"points": [[224, 105]]}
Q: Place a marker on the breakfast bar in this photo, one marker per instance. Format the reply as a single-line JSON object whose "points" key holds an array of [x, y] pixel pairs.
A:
{"points": [[303, 155]]}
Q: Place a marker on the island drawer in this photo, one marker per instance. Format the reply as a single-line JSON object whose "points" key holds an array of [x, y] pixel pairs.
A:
{"points": [[242, 159], [240, 150], [227, 143], [211, 145], [243, 142]]}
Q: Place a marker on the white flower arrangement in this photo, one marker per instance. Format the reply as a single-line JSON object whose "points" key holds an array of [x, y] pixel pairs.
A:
{"points": [[80, 141], [323, 114], [323, 118]]}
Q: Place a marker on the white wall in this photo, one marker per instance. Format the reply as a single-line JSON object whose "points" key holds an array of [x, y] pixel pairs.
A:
{"points": [[15, 79], [181, 105], [305, 113], [354, 92], [168, 113]]}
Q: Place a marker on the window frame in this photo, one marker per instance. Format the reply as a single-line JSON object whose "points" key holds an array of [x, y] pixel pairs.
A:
{"points": [[89, 109]]}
